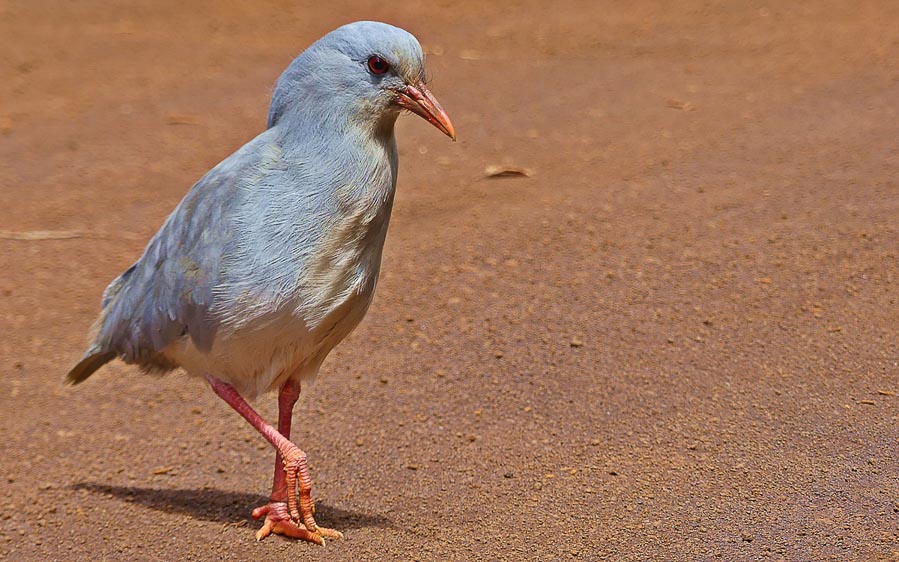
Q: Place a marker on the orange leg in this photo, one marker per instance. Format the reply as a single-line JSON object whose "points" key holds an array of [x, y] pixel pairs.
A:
{"points": [[291, 509]]}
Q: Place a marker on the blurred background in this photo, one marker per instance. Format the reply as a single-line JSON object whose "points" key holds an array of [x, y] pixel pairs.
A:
{"points": [[644, 308]]}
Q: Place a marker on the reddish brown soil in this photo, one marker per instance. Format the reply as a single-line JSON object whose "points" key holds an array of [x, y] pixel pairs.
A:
{"points": [[676, 340]]}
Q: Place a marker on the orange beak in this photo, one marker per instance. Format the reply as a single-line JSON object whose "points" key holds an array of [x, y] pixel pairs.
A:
{"points": [[422, 102]]}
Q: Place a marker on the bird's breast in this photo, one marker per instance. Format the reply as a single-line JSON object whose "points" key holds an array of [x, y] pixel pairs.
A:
{"points": [[342, 270]]}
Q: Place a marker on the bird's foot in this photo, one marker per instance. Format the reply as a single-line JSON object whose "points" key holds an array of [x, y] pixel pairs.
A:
{"points": [[290, 511], [300, 507], [279, 522]]}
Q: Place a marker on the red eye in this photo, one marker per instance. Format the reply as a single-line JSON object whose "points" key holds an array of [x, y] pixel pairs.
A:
{"points": [[377, 65]]}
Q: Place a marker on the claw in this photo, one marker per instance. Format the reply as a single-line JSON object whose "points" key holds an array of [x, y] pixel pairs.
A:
{"points": [[265, 530], [330, 533]]}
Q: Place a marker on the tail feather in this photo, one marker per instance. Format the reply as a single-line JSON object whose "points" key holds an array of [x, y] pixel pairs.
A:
{"points": [[92, 360]]}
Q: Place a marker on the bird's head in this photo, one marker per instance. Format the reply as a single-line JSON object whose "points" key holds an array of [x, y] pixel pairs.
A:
{"points": [[363, 73]]}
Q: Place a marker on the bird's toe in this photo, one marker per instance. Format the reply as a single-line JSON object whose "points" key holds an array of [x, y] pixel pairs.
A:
{"points": [[278, 522]]}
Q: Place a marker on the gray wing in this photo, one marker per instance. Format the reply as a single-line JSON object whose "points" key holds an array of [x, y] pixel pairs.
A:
{"points": [[168, 293]]}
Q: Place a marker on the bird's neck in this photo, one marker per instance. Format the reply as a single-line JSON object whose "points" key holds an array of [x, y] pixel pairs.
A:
{"points": [[357, 127], [381, 129]]}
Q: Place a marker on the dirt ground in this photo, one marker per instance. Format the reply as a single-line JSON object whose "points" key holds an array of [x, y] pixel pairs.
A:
{"points": [[675, 340]]}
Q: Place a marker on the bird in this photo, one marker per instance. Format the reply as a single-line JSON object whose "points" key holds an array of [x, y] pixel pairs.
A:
{"points": [[271, 259]]}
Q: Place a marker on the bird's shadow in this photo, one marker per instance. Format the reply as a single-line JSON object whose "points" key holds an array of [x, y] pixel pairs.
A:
{"points": [[225, 507]]}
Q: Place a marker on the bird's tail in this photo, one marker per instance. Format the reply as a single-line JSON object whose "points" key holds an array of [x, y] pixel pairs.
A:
{"points": [[92, 360], [98, 354]]}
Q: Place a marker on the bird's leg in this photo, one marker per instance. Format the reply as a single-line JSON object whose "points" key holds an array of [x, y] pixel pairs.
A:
{"points": [[292, 482], [290, 393], [277, 515]]}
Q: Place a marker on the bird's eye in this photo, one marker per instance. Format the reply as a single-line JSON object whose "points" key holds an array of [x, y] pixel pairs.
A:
{"points": [[377, 65]]}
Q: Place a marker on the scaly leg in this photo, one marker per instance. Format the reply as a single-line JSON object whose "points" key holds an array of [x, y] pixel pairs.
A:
{"points": [[277, 515], [291, 510]]}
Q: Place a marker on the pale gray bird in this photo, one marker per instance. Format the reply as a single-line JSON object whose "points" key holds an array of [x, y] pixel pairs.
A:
{"points": [[272, 257]]}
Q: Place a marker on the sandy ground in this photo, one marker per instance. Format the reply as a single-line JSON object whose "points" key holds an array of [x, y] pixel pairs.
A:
{"points": [[676, 340]]}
